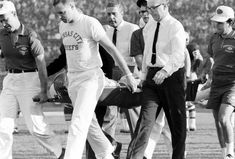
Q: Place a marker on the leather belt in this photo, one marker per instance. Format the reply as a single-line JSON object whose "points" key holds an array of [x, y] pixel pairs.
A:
{"points": [[21, 71]]}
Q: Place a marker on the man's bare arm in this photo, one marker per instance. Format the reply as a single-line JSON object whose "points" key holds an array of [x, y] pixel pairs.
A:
{"points": [[42, 73]]}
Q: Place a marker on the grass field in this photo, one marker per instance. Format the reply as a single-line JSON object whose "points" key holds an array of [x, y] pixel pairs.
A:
{"points": [[201, 144]]}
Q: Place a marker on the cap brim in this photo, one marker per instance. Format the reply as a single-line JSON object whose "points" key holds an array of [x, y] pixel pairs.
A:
{"points": [[217, 18], [3, 11]]}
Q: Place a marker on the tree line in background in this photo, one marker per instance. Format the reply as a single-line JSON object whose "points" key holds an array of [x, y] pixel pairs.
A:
{"points": [[194, 14]]}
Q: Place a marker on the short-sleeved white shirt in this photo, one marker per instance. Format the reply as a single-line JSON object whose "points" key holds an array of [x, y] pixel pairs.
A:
{"points": [[80, 40]]}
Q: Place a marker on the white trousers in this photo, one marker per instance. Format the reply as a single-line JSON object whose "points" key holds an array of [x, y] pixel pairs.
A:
{"points": [[18, 91], [84, 90], [155, 133]]}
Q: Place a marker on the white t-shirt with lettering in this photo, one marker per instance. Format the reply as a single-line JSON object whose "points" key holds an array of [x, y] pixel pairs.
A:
{"points": [[80, 40]]}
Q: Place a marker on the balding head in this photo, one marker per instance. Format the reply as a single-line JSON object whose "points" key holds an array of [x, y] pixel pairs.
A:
{"points": [[115, 11], [55, 2], [152, 3], [115, 4], [158, 8]]}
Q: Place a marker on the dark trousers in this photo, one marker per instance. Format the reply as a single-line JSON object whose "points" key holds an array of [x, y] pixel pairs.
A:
{"points": [[169, 95]]}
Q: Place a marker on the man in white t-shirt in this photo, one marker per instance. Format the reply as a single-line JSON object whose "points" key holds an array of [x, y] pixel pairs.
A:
{"points": [[81, 35]]}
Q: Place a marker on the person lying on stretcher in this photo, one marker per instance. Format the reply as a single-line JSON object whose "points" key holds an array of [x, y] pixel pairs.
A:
{"points": [[114, 93]]}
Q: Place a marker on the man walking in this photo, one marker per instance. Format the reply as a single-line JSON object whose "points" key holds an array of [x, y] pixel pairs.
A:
{"points": [[163, 76], [137, 50], [26, 78], [81, 35], [119, 31]]}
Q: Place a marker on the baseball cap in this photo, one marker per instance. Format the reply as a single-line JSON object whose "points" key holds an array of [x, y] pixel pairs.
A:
{"points": [[222, 14], [6, 7]]}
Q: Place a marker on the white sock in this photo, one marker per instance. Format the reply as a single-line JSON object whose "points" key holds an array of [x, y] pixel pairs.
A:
{"points": [[229, 148], [148, 153], [223, 150]]}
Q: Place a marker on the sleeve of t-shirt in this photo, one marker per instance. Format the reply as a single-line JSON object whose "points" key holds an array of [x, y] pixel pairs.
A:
{"points": [[135, 48], [97, 30], [35, 44]]}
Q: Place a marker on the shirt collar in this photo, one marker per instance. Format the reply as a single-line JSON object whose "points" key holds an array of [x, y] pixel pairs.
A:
{"points": [[120, 25], [165, 19], [78, 17], [231, 35], [20, 31]]}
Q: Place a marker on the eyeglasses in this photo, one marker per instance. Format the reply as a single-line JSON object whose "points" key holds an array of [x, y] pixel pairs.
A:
{"points": [[154, 7], [143, 12]]}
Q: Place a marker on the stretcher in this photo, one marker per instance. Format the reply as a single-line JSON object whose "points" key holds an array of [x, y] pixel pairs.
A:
{"points": [[114, 94]]}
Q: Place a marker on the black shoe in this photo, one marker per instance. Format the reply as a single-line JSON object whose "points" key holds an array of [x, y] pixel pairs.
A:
{"points": [[229, 156], [62, 154], [145, 157], [117, 150]]}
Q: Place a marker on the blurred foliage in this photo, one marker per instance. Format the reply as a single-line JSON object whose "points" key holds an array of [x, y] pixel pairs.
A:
{"points": [[194, 15]]}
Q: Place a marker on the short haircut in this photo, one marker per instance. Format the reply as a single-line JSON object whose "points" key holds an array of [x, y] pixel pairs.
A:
{"points": [[141, 3], [115, 3], [55, 2]]}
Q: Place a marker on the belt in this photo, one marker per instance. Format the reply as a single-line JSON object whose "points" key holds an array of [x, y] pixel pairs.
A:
{"points": [[21, 71], [154, 68]]}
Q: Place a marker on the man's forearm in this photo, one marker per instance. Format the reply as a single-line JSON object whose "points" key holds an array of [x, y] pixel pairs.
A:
{"points": [[43, 80], [42, 73]]}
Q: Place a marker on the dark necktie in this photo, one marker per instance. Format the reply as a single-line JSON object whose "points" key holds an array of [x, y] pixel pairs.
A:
{"points": [[153, 58], [114, 36]]}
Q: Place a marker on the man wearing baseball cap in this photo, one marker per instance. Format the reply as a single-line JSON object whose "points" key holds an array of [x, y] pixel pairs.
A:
{"points": [[223, 13], [221, 100], [26, 79], [6, 7]]}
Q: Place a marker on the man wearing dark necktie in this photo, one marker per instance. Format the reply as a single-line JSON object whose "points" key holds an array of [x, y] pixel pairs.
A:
{"points": [[153, 58], [119, 31], [163, 80], [115, 36]]}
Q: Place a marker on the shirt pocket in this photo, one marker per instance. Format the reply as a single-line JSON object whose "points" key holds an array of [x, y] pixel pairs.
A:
{"points": [[22, 45]]}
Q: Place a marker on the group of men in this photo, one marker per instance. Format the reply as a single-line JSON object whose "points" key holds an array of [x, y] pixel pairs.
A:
{"points": [[157, 49]]}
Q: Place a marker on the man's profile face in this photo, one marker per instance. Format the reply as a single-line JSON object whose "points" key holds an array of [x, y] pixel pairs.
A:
{"points": [[65, 12], [157, 10], [115, 15], [222, 27], [144, 13], [8, 21]]}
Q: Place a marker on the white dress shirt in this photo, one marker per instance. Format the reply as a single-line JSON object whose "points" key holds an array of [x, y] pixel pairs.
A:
{"points": [[170, 45], [124, 32]]}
